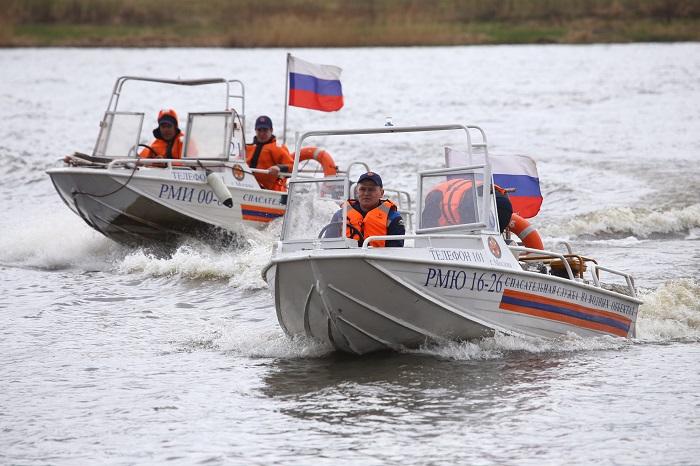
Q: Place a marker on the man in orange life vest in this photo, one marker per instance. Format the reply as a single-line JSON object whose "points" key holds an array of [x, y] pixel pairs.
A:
{"points": [[265, 154], [370, 215], [168, 138]]}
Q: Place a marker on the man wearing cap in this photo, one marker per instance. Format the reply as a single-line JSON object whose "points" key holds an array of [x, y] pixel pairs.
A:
{"points": [[168, 138], [370, 215], [265, 154]]}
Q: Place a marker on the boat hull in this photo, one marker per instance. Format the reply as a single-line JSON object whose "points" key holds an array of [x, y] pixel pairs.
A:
{"points": [[407, 303], [143, 209]]}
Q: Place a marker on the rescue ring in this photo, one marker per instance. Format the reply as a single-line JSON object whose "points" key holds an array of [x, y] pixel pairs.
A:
{"points": [[320, 156], [526, 232]]}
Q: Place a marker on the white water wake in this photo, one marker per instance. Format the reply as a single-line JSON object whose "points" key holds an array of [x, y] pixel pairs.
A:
{"points": [[620, 222], [240, 266], [55, 240], [670, 313]]}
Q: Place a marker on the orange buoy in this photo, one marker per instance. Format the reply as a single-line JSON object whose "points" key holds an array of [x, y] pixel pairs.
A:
{"points": [[526, 232], [320, 156]]}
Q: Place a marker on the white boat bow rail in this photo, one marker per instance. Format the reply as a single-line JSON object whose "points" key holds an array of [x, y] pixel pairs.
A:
{"points": [[240, 96], [187, 163], [300, 138], [216, 134]]}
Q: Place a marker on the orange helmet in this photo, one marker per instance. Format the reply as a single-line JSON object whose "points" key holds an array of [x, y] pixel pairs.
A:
{"points": [[169, 115]]}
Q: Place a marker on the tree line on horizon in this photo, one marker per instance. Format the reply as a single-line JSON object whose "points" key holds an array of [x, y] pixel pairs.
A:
{"points": [[145, 13], [294, 22]]}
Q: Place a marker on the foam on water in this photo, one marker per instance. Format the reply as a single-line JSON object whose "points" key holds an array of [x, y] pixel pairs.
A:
{"points": [[195, 260], [627, 221], [271, 344], [55, 240], [263, 340], [671, 312], [501, 345]]}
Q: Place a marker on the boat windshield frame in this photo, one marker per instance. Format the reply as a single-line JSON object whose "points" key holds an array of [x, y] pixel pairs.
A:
{"points": [[230, 95], [234, 91]]}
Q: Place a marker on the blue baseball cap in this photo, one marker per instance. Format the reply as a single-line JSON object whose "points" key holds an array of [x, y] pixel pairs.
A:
{"points": [[372, 177], [263, 122]]}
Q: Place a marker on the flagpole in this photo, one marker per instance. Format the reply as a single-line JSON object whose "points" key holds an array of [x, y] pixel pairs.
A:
{"points": [[286, 99]]}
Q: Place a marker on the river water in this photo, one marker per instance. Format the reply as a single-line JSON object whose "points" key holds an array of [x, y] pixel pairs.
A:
{"points": [[115, 355]]}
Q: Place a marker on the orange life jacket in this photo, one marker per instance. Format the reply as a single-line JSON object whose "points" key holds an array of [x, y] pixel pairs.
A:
{"points": [[160, 146], [270, 154], [374, 223], [452, 193]]}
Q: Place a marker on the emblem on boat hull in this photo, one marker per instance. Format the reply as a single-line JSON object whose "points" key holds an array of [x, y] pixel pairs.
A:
{"points": [[494, 247], [237, 171]]}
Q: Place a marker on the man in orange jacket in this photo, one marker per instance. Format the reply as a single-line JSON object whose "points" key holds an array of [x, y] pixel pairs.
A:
{"points": [[168, 138], [370, 215], [265, 154]]}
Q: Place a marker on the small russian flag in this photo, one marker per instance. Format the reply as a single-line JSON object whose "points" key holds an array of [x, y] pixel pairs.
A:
{"points": [[518, 172], [313, 86]]}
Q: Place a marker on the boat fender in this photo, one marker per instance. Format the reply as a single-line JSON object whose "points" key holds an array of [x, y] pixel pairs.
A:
{"points": [[216, 183], [320, 156], [526, 232]]}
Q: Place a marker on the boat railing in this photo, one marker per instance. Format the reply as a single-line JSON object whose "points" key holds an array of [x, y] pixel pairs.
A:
{"points": [[363, 166], [424, 240], [169, 163], [119, 84], [180, 163], [567, 260], [539, 254], [628, 278]]}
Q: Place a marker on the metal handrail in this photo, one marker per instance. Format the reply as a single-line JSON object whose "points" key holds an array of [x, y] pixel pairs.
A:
{"points": [[546, 253], [365, 243], [118, 163], [383, 130], [628, 278]]}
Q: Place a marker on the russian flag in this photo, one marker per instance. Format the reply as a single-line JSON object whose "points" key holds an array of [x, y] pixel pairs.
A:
{"points": [[313, 86], [518, 172]]}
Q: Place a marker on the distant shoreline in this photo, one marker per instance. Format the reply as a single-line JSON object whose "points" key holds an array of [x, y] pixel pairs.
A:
{"points": [[574, 32], [337, 23]]}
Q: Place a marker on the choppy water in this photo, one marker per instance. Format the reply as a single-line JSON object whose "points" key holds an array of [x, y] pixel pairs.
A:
{"points": [[115, 355]]}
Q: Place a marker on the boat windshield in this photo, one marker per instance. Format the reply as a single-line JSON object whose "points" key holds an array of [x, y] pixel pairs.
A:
{"points": [[453, 199], [119, 135], [209, 135], [315, 209]]}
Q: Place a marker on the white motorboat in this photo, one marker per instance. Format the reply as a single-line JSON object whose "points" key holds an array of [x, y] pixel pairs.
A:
{"points": [[207, 194], [458, 281]]}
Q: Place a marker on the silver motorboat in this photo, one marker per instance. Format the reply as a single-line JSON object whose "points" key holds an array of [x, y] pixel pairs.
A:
{"points": [[457, 281], [208, 193]]}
